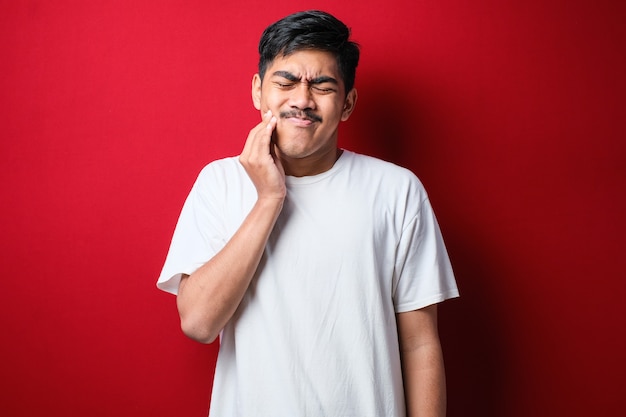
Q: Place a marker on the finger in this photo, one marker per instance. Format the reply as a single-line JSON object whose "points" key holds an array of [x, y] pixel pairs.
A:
{"points": [[253, 134], [276, 159], [263, 137]]}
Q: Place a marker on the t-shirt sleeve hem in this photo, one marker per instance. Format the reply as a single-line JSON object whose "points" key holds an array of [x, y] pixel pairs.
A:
{"points": [[169, 281], [170, 284], [425, 302]]}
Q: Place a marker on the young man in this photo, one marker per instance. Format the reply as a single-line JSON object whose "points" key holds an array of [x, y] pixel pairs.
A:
{"points": [[320, 269]]}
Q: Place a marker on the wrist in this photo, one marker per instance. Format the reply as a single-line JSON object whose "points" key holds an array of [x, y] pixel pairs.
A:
{"points": [[273, 203]]}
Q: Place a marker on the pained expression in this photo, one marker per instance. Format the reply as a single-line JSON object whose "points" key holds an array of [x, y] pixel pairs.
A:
{"points": [[306, 93]]}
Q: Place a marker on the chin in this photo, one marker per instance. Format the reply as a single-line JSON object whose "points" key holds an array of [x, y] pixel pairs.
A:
{"points": [[293, 144], [292, 152]]}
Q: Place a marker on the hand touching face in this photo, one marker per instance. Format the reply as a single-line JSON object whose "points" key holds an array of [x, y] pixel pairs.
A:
{"points": [[260, 161]]}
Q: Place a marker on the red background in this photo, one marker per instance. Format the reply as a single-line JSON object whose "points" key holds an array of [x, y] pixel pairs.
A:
{"points": [[512, 114]]}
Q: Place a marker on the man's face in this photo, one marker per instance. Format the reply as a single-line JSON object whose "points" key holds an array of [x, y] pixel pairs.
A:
{"points": [[306, 93]]}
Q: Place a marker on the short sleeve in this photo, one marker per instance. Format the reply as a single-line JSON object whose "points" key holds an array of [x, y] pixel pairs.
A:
{"points": [[423, 273], [198, 235]]}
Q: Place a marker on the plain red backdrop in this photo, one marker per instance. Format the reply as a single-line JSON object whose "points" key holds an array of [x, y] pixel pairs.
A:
{"points": [[511, 113]]}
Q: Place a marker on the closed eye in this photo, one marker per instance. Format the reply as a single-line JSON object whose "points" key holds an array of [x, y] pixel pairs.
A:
{"points": [[284, 80], [284, 85], [323, 90]]}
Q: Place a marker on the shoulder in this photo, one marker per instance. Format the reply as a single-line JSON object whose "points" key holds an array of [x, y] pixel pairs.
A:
{"points": [[221, 167], [219, 176], [221, 171], [378, 166], [384, 173]]}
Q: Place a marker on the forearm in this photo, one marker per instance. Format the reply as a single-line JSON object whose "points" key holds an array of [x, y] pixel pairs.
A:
{"points": [[424, 380], [209, 297], [422, 363]]}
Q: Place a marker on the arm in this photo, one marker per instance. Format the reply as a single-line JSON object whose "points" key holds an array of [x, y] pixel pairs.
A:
{"points": [[422, 363], [209, 297]]}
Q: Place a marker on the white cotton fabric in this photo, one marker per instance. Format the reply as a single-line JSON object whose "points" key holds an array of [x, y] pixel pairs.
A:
{"points": [[315, 334]]}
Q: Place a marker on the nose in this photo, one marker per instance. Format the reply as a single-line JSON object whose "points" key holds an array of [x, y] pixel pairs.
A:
{"points": [[301, 97]]}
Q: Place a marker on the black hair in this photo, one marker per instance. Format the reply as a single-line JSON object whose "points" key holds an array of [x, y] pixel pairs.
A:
{"points": [[312, 29]]}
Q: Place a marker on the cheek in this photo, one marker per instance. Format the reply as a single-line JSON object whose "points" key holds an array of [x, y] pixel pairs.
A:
{"points": [[270, 101], [332, 107]]}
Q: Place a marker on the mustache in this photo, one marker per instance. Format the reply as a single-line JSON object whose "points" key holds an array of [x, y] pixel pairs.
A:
{"points": [[301, 114]]}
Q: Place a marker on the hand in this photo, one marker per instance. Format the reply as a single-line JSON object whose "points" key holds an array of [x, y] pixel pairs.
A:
{"points": [[260, 161]]}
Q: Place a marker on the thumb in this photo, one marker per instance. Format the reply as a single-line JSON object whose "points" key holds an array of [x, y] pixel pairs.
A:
{"points": [[275, 152]]}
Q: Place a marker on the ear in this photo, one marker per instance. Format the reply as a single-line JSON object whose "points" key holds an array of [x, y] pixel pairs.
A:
{"points": [[348, 106], [256, 91]]}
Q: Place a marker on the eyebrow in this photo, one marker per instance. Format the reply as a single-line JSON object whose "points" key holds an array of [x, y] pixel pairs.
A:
{"points": [[317, 80]]}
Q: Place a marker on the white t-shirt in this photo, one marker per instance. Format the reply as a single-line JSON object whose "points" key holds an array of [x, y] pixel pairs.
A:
{"points": [[315, 334]]}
